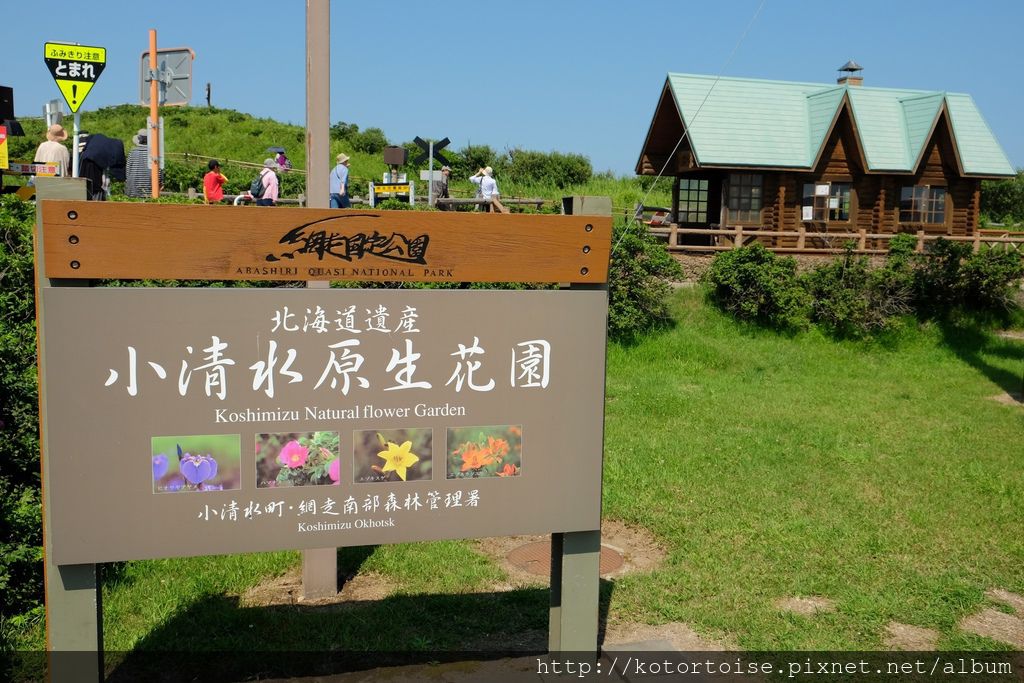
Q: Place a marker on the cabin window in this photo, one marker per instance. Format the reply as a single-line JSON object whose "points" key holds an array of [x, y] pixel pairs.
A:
{"points": [[826, 202], [923, 204], [693, 200], [745, 197]]}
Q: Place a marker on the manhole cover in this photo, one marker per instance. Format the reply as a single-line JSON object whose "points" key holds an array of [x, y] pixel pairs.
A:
{"points": [[536, 558]]}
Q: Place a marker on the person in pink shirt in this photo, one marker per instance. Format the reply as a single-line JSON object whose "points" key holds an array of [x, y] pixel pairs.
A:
{"points": [[270, 185]]}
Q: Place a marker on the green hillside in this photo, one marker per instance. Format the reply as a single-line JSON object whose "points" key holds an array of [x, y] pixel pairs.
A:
{"points": [[193, 135]]}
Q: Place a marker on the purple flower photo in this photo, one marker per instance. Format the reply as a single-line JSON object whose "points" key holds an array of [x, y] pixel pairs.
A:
{"points": [[196, 463]]}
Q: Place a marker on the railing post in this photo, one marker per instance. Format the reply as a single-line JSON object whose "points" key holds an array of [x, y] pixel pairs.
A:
{"points": [[801, 237], [977, 241], [738, 240], [920, 242], [862, 240]]}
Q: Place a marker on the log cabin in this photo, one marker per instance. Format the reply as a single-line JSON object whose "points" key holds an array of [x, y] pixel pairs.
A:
{"points": [[817, 158]]}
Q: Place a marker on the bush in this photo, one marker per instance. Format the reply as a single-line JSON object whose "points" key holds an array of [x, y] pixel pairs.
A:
{"points": [[849, 299], [753, 284], [638, 276], [20, 525], [1003, 200]]}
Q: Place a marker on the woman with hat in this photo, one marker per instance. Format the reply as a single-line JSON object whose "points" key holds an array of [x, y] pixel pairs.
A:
{"points": [[138, 176], [339, 184], [53, 151], [489, 189], [270, 185]]}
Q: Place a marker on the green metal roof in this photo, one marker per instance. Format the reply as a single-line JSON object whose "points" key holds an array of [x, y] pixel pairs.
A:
{"points": [[748, 122]]}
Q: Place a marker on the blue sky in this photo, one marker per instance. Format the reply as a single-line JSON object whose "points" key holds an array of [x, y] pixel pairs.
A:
{"points": [[568, 75]]}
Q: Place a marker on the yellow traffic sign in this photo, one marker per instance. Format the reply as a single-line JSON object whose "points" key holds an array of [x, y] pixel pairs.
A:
{"points": [[75, 69]]}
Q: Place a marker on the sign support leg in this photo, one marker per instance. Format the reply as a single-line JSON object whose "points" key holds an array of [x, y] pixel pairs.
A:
{"points": [[74, 622], [74, 606], [575, 584]]}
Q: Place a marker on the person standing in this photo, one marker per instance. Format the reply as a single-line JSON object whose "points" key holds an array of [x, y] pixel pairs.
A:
{"points": [[440, 187], [489, 189], [213, 183], [270, 184], [53, 151], [339, 184], [138, 181]]}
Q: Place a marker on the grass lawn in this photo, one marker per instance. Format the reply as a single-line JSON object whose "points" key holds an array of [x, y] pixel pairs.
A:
{"points": [[884, 478], [881, 476]]}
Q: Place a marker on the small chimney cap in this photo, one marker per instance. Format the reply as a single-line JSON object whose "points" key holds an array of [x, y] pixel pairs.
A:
{"points": [[851, 66]]}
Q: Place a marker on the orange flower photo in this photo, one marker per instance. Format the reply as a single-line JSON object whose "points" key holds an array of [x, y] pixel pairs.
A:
{"points": [[490, 451]]}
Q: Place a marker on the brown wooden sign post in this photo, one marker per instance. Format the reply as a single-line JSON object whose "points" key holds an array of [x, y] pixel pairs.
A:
{"points": [[200, 421]]}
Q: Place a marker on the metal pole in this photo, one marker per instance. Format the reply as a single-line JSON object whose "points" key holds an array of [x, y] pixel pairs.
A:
{"points": [[319, 565], [154, 118], [430, 172], [74, 151]]}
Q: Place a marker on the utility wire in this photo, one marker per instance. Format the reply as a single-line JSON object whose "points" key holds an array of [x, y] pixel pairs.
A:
{"points": [[686, 129]]}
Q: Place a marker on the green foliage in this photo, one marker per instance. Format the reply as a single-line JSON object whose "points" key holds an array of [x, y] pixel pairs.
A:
{"points": [[754, 284], [848, 298], [1003, 200], [950, 280], [391, 204], [560, 170], [20, 527], [638, 282], [369, 141]]}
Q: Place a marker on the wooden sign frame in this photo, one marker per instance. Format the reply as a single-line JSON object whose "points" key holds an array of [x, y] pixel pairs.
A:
{"points": [[79, 241]]}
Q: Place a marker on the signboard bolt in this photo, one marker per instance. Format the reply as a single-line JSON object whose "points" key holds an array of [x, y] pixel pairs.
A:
{"points": [[584, 270], [75, 265], [73, 239], [72, 215], [589, 227], [586, 248]]}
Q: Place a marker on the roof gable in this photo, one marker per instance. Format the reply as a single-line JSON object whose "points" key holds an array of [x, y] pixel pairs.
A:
{"points": [[737, 122], [980, 152], [920, 113]]}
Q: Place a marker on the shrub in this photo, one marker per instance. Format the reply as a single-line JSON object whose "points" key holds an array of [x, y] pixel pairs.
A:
{"points": [[753, 284], [638, 276], [1003, 200], [849, 299], [20, 526], [990, 278]]}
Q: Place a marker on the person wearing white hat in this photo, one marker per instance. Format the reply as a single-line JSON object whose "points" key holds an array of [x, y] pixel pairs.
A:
{"points": [[138, 175], [270, 183], [489, 189], [339, 184], [53, 151]]}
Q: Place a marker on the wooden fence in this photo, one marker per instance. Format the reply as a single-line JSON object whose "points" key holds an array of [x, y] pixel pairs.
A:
{"points": [[724, 239]]}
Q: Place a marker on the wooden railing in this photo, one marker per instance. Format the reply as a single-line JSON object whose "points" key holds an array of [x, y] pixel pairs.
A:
{"points": [[724, 239]]}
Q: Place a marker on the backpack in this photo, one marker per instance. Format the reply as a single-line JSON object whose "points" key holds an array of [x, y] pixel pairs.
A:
{"points": [[256, 187]]}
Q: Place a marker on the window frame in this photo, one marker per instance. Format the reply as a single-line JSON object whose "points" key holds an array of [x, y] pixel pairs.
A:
{"points": [[740, 182], [925, 206], [821, 203], [691, 206]]}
